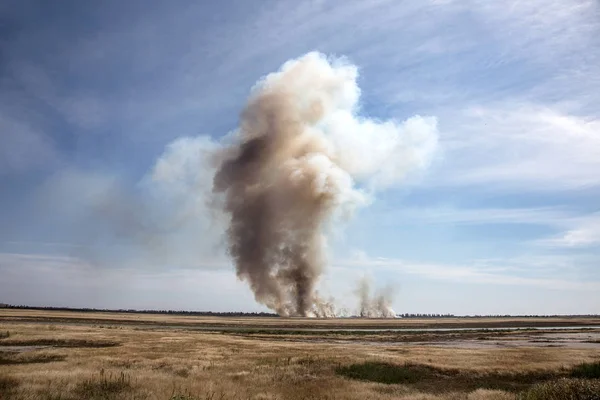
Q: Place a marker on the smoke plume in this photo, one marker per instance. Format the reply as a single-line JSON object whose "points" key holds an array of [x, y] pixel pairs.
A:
{"points": [[378, 305], [301, 159]]}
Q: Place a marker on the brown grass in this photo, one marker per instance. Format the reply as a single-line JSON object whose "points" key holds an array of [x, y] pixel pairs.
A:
{"points": [[184, 365], [564, 389], [291, 323], [25, 358], [52, 342]]}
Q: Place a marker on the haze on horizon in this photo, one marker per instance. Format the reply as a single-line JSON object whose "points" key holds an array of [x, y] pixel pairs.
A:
{"points": [[110, 114]]}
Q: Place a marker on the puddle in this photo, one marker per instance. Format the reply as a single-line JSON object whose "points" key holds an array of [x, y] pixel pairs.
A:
{"points": [[572, 340], [587, 339]]}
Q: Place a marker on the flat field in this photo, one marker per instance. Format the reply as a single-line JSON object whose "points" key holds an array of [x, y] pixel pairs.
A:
{"points": [[75, 355]]}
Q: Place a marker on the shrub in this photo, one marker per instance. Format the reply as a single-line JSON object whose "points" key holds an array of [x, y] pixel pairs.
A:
{"points": [[563, 389], [104, 386], [7, 385], [385, 372], [8, 382]]}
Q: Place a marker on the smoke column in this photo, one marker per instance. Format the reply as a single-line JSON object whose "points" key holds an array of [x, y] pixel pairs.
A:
{"points": [[300, 160], [378, 306]]}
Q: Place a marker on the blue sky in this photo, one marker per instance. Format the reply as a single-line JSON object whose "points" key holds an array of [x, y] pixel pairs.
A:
{"points": [[505, 219]]}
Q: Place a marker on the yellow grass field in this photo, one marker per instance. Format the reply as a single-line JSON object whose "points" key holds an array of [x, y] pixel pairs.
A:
{"points": [[64, 355], [165, 319]]}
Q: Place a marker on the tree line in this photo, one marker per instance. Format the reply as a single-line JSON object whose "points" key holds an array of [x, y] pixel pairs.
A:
{"points": [[273, 315], [424, 316], [133, 311]]}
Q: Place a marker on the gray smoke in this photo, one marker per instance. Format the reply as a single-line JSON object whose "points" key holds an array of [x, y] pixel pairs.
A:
{"points": [[376, 305], [300, 160]]}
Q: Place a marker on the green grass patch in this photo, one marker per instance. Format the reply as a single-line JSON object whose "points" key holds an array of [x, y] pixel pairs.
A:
{"points": [[586, 370], [104, 386], [388, 373], [563, 389], [432, 379]]}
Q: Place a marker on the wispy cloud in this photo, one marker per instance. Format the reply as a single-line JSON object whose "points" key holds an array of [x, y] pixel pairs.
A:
{"points": [[584, 233], [550, 216], [23, 144], [526, 148], [485, 272]]}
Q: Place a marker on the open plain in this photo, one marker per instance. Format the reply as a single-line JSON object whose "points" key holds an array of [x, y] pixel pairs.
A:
{"points": [[85, 355]]}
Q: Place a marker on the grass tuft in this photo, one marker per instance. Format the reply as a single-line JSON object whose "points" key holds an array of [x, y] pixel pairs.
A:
{"points": [[210, 395], [388, 373], [563, 389], [586, 370], [4, 335], [104, 386], [15, 359], [7, 384]]}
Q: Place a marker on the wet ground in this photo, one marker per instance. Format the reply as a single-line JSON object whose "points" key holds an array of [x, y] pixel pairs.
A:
{"points": [[581, 340], [20, 349], [578, 338], [466, 333]]}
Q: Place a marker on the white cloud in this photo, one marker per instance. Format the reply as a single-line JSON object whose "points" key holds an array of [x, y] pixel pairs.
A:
{"points": [[23, 146], [541, 29], [584, 232], [551, 216], [527, 147], [476, 273]]}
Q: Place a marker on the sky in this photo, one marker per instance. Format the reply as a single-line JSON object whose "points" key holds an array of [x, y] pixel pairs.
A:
{"points": [[95, 98]]}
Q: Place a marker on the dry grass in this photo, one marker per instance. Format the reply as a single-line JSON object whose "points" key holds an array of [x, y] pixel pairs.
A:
{"points": [[564, 389], [186, 365], [104, 386], [8, 384], [51, 342], [29, 358], [292, 323]]}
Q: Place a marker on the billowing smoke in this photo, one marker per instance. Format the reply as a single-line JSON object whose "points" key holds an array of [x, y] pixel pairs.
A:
{"points": [[301, 159], [375, 305]]}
